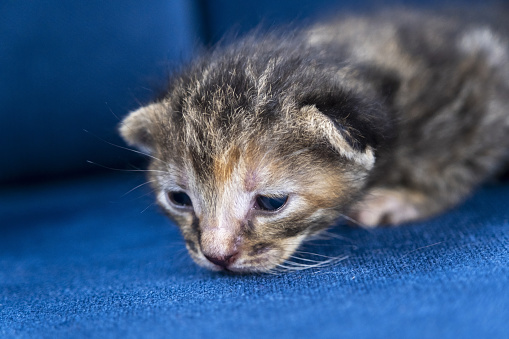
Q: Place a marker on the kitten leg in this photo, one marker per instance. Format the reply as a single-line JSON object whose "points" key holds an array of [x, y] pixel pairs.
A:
{"points": [[391, 206]]}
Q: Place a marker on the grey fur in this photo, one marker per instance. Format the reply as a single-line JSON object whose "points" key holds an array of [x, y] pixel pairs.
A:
{"points": [[389, 118]]}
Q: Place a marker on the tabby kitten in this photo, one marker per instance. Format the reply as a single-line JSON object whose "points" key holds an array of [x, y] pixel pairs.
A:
{"points": [[385, 118]]}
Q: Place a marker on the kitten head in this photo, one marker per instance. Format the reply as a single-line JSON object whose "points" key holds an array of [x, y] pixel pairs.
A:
{"points": [[252, 159]]}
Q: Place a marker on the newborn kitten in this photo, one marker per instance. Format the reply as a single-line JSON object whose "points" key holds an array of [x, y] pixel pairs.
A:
{"points": [[387, 118]]}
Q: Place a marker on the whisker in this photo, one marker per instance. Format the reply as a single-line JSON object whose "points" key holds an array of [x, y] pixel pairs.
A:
{"points": [[125, 148], [149, 193], [313, 243], [115, 115], [315, 254], [329, 235], [289, 268], [140, 185], [326, 235], [146, 208], [297, 267], [136, 168], [125, 199], [353, 221], [304, 259], [421, 248], [320, 263], [124, 169], [327, 259], [273, 271], [290, 265]]}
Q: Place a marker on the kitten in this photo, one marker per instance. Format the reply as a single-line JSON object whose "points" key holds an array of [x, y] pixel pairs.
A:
{"points": [[387, 118]]}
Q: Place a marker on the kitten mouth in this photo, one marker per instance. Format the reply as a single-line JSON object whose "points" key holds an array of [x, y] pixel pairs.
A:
{"points": [[242, 266], [264, 262], [260, 258]]}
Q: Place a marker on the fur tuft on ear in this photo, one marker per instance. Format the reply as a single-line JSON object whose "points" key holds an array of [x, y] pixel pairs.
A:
{"points": [[136, 127], [338, 136]]}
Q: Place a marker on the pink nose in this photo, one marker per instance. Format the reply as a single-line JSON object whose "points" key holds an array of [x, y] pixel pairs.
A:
{"points": [[223, 261]]}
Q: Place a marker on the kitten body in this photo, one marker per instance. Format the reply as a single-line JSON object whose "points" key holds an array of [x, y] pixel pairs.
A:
{"points": [[386, 118]]}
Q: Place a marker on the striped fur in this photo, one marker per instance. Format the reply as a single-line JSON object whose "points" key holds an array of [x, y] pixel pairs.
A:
{"points": [[389, 119]]}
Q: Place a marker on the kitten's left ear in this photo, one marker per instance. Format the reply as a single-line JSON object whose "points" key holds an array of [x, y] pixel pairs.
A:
{"points": [[338, 137], [136, 128], [355, 128]]}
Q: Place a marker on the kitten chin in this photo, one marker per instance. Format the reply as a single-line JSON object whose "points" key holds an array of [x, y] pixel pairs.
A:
{"points": [[261, 144]]}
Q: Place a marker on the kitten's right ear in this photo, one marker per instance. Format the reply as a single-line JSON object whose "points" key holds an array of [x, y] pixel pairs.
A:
{"points": [[136, 127]]}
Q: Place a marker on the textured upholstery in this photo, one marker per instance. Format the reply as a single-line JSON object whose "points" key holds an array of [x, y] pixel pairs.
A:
{"points": [[87, 262]]}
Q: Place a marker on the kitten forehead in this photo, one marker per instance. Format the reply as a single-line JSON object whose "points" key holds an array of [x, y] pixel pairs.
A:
{"points": [[256, 168]]}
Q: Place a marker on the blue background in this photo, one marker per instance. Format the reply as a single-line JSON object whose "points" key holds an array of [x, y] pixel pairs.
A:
{"points": [[70, 66]]}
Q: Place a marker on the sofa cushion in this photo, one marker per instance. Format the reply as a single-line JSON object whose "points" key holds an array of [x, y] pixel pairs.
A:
{"points": [[72, 66], [231, 17], [79, 259]]}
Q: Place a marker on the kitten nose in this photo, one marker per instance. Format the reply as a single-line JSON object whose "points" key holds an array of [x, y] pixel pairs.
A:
{"points": [[223, 261]]}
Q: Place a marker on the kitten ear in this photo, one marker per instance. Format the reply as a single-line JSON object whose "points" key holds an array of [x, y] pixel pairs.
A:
{"points": [[136, 127], [342, 138], [357, 125]]}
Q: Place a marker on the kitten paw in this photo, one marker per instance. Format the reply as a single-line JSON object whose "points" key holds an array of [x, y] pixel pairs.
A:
{"points": [[387, 207]]}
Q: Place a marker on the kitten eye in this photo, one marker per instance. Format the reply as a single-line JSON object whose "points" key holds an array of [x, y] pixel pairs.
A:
{"points": [[180, 199], [271, 204]]}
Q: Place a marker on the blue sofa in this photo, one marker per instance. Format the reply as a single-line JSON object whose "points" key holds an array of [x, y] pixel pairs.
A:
{"points": [[85, 253]]}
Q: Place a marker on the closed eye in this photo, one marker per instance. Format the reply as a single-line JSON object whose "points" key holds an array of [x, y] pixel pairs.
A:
{"points": [[270, 204]]}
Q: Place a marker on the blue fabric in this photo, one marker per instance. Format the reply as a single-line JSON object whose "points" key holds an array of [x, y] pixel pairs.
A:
{"points": [[66, 66], [78, 259], [229, 17]]}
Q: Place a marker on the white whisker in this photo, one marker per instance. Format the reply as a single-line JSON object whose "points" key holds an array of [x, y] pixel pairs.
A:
{"points": [[324, 263], [125, 148], [290, 265], [146, 208], [315, 254], [326, 235], [304, 259], [124, 169], [140, 185], [353, 221]]}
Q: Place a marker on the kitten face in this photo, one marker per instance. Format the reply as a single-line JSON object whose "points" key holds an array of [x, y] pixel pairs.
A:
{"points": [[246, 199], [246, 172], [221, 218]]}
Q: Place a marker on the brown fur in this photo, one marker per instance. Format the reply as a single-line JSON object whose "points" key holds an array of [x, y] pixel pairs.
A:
{"points": [[389, 119]]}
